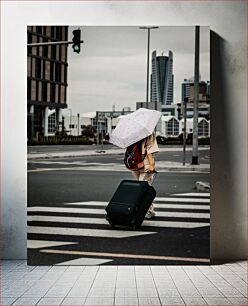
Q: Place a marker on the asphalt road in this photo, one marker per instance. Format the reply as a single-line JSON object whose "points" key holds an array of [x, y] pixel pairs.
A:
{"points": [[177, 156], [49, 187], [62, 232]]}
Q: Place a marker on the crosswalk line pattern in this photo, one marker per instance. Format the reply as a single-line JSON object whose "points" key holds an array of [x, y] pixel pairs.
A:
{"points": [[84, 262], [168, 205], [193, 194], [80, 220], [196, 214], [63, 231], [182, 200], [86, 220], [98, 211], [37, 244]]}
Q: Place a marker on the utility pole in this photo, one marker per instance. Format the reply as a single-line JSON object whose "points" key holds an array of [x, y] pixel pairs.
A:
{"points": [[148, 61], [184, 129], [196, 97], [78, 123]]}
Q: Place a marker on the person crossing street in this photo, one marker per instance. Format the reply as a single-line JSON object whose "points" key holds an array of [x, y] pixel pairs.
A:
{"points": [[149, 147]]}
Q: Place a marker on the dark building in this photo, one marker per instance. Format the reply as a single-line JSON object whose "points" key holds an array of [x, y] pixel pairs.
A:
{"points": [[46, 78], [162, 79]]}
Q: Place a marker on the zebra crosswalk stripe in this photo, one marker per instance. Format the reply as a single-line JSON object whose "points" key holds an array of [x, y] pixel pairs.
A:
{"points": [[98, 211], [101, 221], [182, 200], [193, 194], [167, 205], [44, 230]]}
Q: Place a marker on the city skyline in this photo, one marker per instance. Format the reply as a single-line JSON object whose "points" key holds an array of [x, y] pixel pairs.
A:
{"points": [[111, 67]]}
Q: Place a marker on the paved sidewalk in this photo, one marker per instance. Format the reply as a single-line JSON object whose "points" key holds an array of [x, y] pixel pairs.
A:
{"points": [[123, 285]]}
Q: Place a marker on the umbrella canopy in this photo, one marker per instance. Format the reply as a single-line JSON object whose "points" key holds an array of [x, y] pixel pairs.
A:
{"points": [[134, 127]]}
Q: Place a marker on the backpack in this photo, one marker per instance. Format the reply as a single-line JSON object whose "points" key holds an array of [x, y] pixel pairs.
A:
{"points": [[134, 159]]}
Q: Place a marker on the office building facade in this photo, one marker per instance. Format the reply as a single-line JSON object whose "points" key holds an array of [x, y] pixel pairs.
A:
{"points": [[46, 78], [188, 90], [162, 79]]}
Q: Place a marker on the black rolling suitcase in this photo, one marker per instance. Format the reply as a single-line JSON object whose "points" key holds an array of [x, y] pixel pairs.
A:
{"points": [[130, 203]]}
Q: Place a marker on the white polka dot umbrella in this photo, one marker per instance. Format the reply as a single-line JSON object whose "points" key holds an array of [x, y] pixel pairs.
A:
{"points": [[134, 127]]}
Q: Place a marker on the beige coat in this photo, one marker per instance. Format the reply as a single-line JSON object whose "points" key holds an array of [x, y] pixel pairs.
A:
{"points": [[149, 146]]}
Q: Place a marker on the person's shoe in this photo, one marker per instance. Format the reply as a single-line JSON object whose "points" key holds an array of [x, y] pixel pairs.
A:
{"points": [[150, 214]]}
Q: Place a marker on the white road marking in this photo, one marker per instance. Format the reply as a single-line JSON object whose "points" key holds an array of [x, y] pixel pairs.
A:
{"points": [[119, 255], [85, 232], [193, 194], [102, 211], [182, 200], [36, 244], [84, 262], [103, 221], [57, 162], [180, 206]]}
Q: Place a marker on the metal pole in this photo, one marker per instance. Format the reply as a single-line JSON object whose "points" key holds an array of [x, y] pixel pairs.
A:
{"points": [[148, 61], [184, 130], [196, 97], [97, 128], [78, 123], [102, 137], [147, 76], [52, 43]]}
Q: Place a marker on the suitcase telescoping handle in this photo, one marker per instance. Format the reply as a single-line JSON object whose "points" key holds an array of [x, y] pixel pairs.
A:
{"points": [[153, 177]]}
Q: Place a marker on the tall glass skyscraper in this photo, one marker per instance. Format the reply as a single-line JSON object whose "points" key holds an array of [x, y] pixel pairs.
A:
{"points": [[162, 79]]}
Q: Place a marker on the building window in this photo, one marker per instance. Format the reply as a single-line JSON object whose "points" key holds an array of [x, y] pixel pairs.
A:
{"points": [[203, 128], [52, 123], [38, 68], [57, 72], [39, 30], [44, 92], [62, 74], [45, 49], [52, 71], [71, 126], [172, 127], [52, 96], [52, 32], [53, 55]]}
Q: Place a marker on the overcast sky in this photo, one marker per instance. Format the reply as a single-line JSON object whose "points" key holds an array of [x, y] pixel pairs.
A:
{"points": [[112, 65]]}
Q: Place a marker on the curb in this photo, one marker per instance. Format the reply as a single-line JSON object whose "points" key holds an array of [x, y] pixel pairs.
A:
{"points": [[47, 155]]}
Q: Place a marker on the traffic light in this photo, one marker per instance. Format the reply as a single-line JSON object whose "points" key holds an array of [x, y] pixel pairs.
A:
{"points": [[76, 40]]}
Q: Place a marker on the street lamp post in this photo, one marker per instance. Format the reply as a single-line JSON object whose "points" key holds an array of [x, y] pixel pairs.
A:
{"points": [[78, 122], [148, 60], [184, 129], [196, 96]]}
